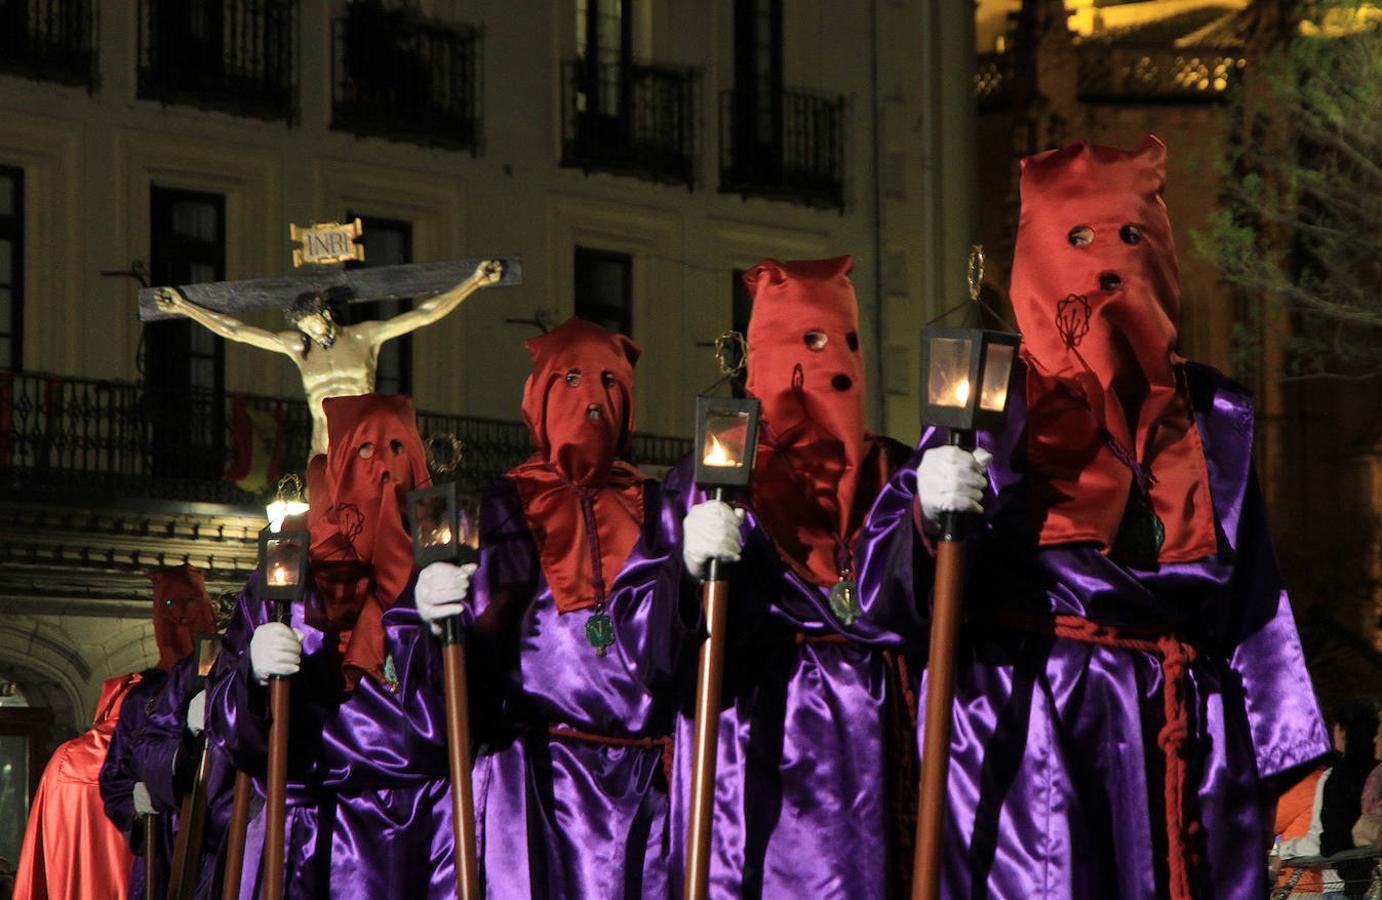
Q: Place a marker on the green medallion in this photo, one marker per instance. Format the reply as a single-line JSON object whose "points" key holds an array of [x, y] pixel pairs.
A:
{"points": [[390, 671], [599, 631], [844, 601]]}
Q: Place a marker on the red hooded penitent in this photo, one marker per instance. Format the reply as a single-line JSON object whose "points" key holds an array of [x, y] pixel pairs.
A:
{"points": [[817, 470], [583, 504], [1096, 291], [362, 556], [182, 610]]}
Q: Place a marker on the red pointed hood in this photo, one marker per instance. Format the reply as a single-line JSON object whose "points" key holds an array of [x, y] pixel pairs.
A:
{"points": [[1096, 292], [584, 505], [181, 610]]}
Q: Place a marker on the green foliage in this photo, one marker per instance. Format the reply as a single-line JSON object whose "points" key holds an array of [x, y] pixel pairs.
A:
{"points": [[1301, 227]]}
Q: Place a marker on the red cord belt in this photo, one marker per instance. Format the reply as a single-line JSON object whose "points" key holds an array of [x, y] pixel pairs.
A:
{"points": [[1176, 656], [661, 743]]}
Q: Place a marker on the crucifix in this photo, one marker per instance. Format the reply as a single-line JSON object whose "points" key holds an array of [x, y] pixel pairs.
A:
{"points": [[334, 359]]}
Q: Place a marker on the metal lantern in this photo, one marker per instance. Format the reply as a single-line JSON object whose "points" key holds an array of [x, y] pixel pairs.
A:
{"points": [[954, 361], [283, 564], [442, 529], [726, 440]]}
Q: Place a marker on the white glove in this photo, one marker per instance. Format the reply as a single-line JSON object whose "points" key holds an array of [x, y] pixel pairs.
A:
{"points": [[441, 591], [143, 804], [196, 713], [275, 649], [950, 479], [710, 531]]}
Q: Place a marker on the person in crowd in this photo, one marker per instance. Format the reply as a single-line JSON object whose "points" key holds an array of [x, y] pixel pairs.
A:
{"points": [[71, 850], [806, 772], [1341, 801], [369, 803], [571, 795], [1129, 680], [181, 611]]}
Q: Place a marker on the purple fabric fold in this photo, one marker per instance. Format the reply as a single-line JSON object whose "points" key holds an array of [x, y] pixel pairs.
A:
{"points": [[119, 776], [369, 798], [803, 781], [561, 817], [1056, 778]]}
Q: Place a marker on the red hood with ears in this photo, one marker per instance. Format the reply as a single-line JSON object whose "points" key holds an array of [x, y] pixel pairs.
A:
{"points": [[578, 403], [1096, 292], [362, 555], [182, 610], [806, 366]]}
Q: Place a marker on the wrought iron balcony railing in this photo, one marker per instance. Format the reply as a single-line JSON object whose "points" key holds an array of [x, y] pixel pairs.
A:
{"points": [[1131, 75], [630, 119], [71, 435], [789, 149], [237, 56], [52, 40], [400, 77]]}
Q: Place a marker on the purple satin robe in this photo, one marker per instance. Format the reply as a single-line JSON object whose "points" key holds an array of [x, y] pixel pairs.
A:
{"points": [[560, 817], [803, 782], [369, 802], [165, 755], [1056, 781], [119, 775]]}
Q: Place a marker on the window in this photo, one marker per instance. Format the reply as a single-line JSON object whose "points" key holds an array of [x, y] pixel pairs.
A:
{"points": [[758, 70], [604, 289], [184, 364], [604, 42], [388, 242], [11, 268]]}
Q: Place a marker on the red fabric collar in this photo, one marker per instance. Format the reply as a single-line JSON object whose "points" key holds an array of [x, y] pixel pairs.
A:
{"points": [[583, 505], [362, 558], [1097, 315]]}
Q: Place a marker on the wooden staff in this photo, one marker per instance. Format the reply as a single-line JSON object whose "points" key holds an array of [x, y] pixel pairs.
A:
{"points": [[709, 675], [940, 695], [182, 880], [458, 751], [276, 788], [150, 856], [235, 840]]}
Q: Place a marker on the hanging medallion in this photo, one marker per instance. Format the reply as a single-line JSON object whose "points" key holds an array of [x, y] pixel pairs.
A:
{"points": [[599, 631], [390, 673], [1140, 535], [844, 600]]}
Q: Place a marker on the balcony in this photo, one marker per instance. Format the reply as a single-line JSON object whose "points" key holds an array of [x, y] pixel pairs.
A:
{"points": [[400, 77], [1118, 74], [791, 148], [236, 56], [634, 120], [51, 40], [82, 438]]}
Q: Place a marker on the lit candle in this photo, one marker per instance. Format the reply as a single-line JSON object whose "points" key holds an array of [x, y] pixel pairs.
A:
{"points": [[962, 393], [278, 575], [441, 535], [718, 456]]}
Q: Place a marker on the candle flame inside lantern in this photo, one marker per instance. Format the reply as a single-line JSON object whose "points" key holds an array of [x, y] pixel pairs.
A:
{"points": [[278, 575], [962, 392], [441, 536], [718, 456]]}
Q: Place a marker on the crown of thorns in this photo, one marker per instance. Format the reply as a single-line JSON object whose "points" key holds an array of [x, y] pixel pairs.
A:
{"points": [[310, 304]]}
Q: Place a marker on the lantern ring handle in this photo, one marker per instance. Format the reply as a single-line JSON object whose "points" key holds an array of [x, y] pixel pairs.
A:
{"points": [[723, 345], [454, 451]]}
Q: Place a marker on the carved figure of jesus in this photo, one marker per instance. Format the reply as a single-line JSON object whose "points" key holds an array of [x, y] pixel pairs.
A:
{"points": [[335, 360]]}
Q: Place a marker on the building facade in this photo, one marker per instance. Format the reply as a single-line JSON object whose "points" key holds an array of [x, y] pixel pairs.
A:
{"points": [[638, 155]]}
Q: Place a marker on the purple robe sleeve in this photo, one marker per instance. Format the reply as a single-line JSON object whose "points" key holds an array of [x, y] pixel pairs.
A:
{"points": [[117, 777], [163, 753]]}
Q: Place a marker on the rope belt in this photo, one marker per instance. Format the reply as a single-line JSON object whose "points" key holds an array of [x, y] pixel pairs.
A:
{"points": [[662, 743], [816, 640], [1176, 656]]}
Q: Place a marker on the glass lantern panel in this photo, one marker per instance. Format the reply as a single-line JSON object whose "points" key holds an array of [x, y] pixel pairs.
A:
{"points": [[726, 431], [998, 365], [947, 384], [467, 524], [433, 525], [283, 561]]}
